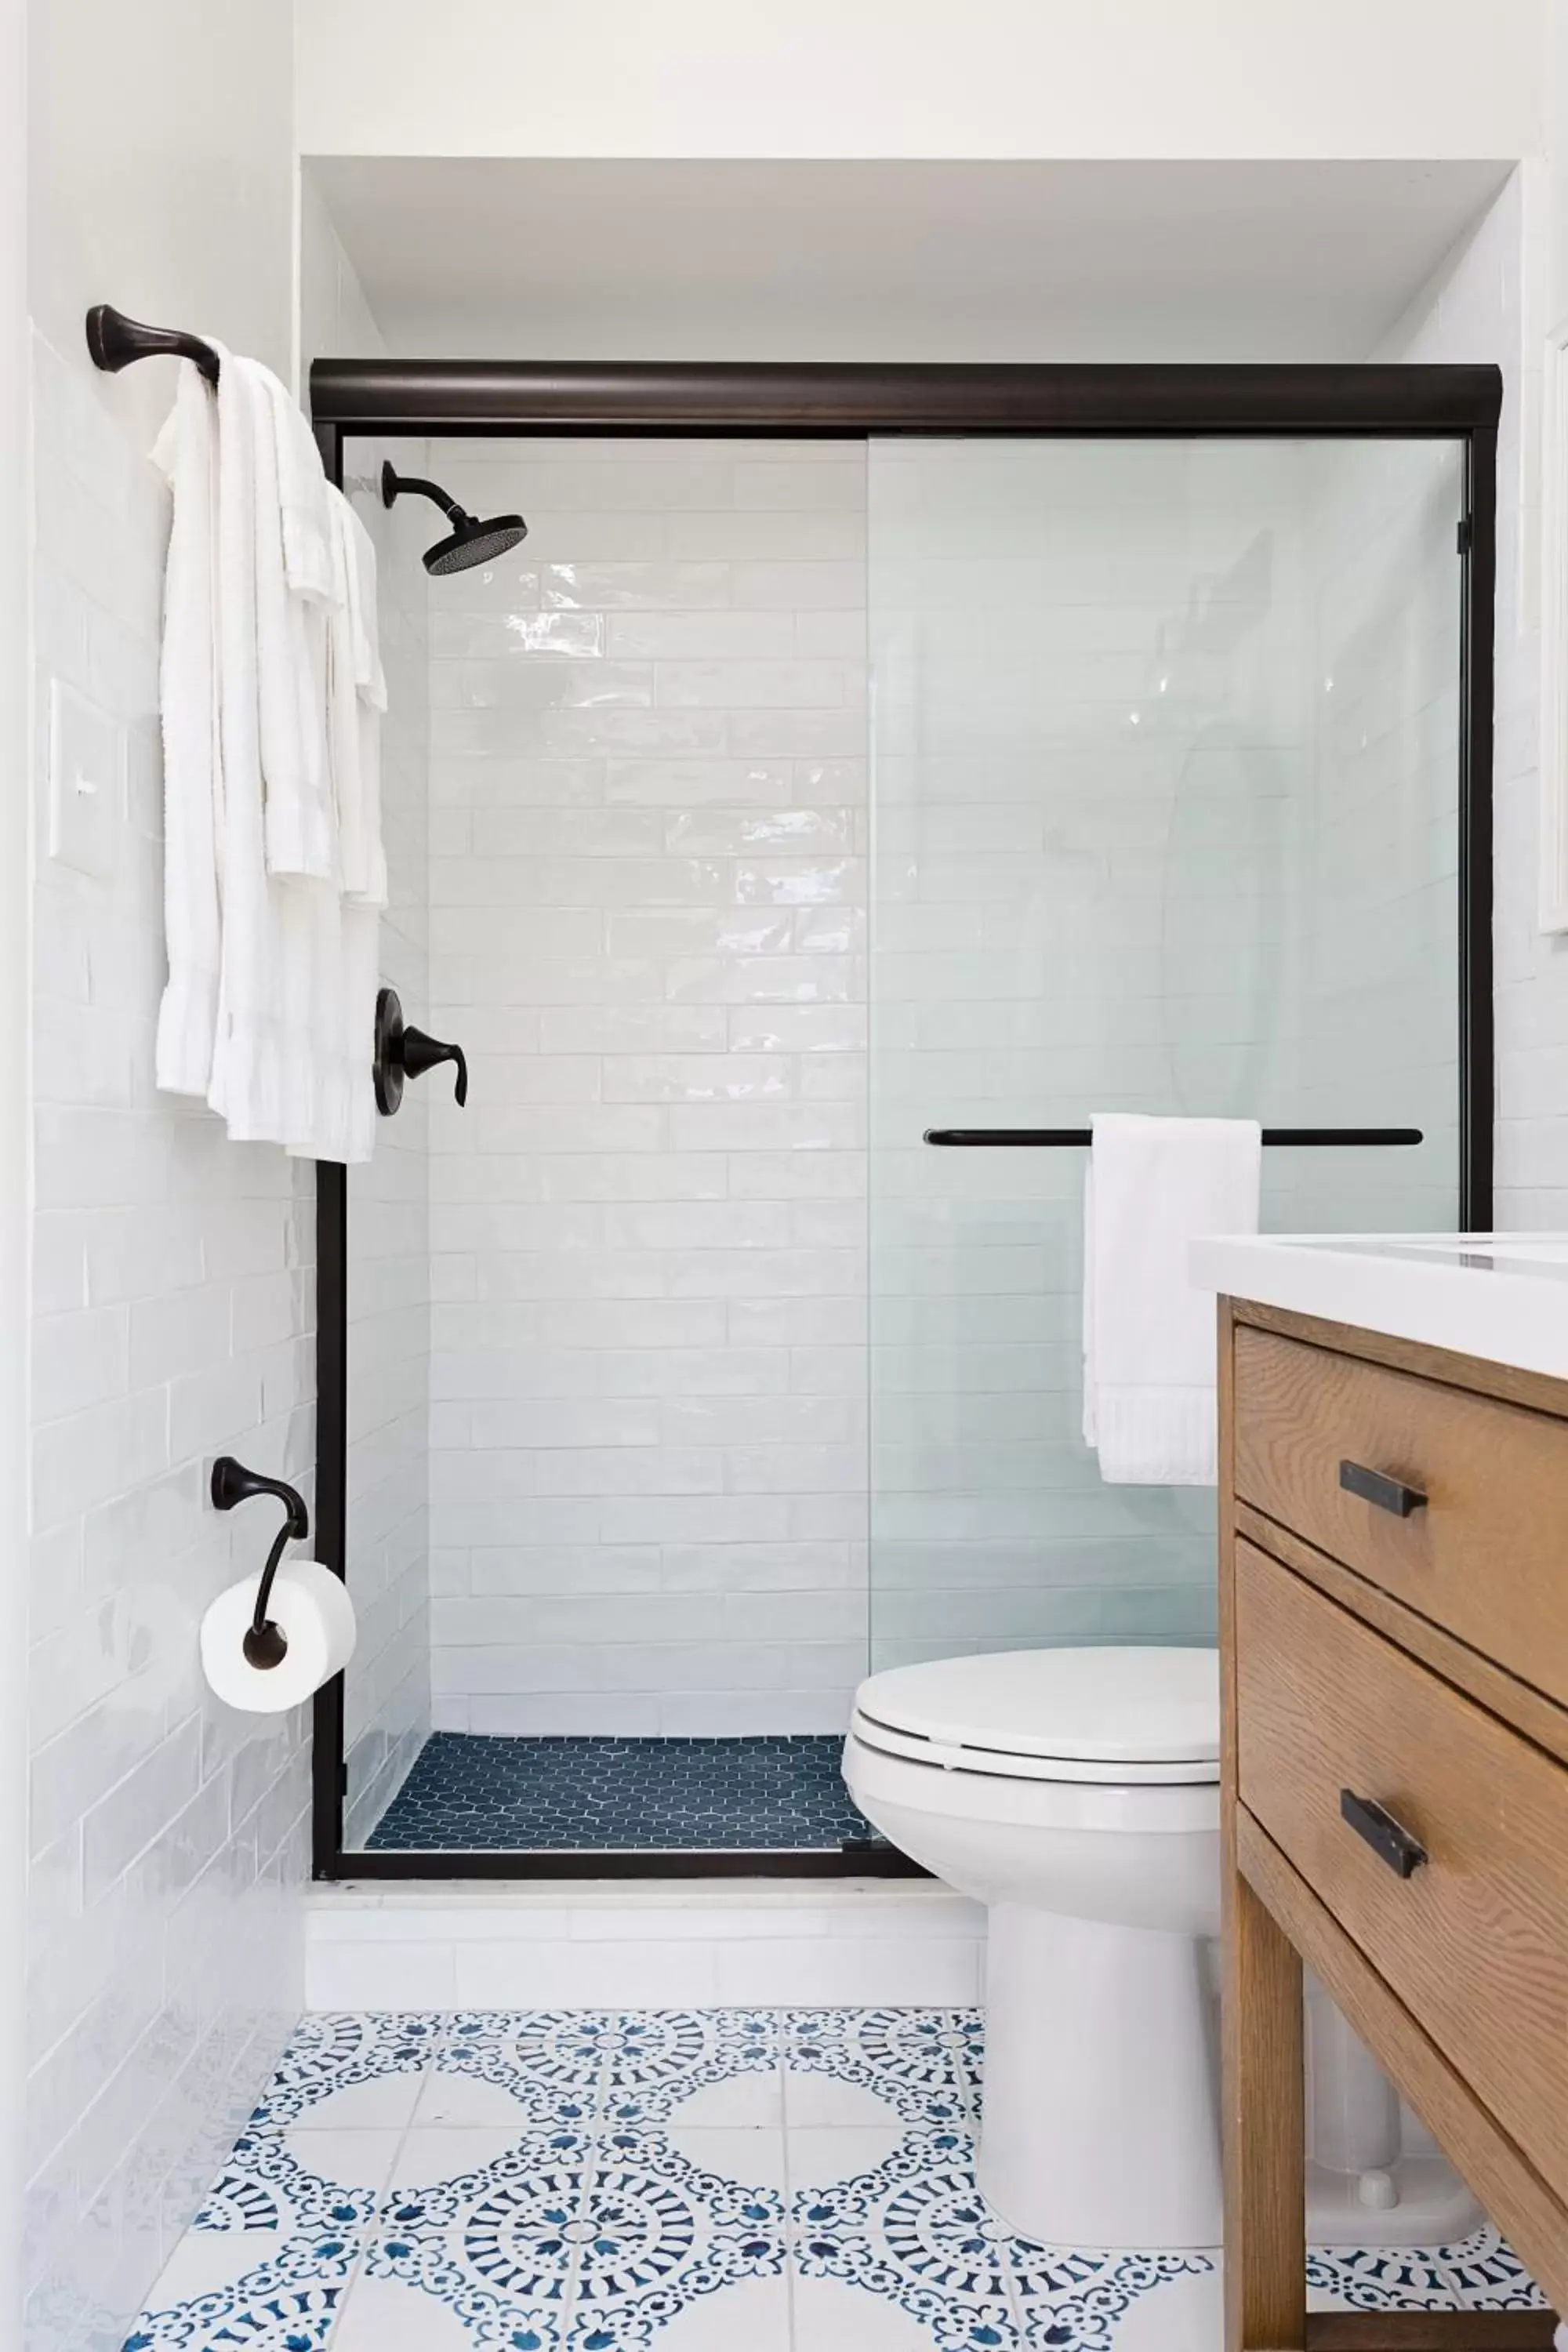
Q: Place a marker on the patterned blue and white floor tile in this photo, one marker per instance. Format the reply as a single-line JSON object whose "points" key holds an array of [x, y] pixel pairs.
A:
{"points": [[668, 2180]]}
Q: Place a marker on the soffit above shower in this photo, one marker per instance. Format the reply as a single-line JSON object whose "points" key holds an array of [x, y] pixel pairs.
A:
{"points": [[545, 258]]}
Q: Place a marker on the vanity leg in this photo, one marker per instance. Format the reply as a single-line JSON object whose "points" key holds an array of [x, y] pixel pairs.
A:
{"points": [[1265, 2130]]}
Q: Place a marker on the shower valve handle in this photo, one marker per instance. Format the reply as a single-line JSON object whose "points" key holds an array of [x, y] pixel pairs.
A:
{"points": [[421, 1053], [401, 1051]]}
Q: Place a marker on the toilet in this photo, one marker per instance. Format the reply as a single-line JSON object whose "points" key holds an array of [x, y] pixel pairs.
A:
{"points": [[1075, 1792]]}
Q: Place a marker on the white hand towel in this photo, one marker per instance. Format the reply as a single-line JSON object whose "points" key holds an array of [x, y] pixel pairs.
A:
{"points": [[290, 642], [369, 677], [303, 502], [186, 454], [1149, 1348]]}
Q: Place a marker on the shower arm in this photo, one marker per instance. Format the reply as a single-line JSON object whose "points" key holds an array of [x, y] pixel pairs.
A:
{"points": [[266, 1645], [394, 484]]}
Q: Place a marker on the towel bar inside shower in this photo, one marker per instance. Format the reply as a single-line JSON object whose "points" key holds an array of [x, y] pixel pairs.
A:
{"points": [[1054, 1139]]}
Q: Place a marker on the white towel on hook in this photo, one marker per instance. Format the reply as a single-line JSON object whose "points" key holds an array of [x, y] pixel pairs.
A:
{"points": [[264, 1081], [304, 498], [369, 675], [270, 1010], [1154, 1186], [186, 452], [295, 583]]}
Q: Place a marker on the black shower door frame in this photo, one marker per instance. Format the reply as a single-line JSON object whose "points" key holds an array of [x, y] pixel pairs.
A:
{"points": [[501, 399]]}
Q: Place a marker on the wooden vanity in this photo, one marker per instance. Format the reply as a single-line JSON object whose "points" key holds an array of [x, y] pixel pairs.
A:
{"points": [[1393, 1583]]}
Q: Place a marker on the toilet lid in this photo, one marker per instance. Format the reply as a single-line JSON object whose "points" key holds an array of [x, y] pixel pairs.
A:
{"points": [[1093, 1714]]}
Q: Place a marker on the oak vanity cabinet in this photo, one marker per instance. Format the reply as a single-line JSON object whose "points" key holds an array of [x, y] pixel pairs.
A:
{"points": [[1394, 1582]]}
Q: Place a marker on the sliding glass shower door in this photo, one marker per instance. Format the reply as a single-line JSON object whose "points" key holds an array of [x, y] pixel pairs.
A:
{"points": [[1166, 767], [1153, 803]]}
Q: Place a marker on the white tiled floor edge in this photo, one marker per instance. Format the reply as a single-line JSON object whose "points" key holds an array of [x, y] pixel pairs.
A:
{"points": [[606, 1943]]}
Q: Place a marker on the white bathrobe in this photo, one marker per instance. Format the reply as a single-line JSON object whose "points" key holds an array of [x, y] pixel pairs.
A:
{"points": [[296, 583], [188, 455], [270, 1008], [265, 1082]]}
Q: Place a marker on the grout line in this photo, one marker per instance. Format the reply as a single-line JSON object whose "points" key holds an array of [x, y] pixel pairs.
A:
{"points": [[380, 2199], [599, 2090], [1461, 2301], [779, 2016]]}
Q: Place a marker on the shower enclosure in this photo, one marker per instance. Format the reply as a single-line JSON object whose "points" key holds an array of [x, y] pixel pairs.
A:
{"points": [[855, 780]]}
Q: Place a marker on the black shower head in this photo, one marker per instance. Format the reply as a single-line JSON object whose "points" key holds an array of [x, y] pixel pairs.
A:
{"points": [[470, 540]]}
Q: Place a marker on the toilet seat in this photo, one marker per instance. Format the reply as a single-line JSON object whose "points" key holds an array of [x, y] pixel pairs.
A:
{"points": [[1123, 1717]]}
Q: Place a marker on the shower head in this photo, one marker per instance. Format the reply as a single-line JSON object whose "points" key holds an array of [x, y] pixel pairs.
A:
{"points": [[470, 540]]}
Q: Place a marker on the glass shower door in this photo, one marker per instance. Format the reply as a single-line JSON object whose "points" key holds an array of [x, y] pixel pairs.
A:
{"points": [[1164, 818]]}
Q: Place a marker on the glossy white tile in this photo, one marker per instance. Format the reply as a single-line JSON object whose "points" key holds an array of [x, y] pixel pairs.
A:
{"points": [[171, 1322], [670, 895]]}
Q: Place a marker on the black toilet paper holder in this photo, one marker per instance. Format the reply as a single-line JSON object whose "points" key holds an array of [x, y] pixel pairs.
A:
{"points": [[266, 1644]]}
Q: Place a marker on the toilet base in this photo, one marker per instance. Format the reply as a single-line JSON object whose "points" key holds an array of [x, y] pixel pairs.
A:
{"points": [[1100, 2126]]}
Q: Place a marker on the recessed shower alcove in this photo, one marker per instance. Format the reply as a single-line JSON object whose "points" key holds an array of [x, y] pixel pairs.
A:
{"points": [[855, 779]]}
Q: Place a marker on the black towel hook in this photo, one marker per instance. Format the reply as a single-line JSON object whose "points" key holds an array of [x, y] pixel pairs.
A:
{"points": [[266, 1645], [116, 341]]}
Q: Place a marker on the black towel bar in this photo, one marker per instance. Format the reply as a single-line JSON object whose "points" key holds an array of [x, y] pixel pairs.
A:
{"points": [[1064, 1138], [116, 341]]}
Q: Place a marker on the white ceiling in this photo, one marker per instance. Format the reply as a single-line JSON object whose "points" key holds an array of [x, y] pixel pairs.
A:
{"points": [[509, 259]]}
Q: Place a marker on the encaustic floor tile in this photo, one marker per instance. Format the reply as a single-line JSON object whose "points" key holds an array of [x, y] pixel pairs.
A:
{"points": [[674, 2180]]}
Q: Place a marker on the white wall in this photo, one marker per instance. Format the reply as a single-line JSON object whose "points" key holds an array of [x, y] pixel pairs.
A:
{"points": [[1002, 78], [646, 912], [15, 1236], [170, 1270]]}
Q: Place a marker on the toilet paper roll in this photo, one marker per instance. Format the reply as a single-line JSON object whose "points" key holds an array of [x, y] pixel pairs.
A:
{"points": [[313, 1608]]}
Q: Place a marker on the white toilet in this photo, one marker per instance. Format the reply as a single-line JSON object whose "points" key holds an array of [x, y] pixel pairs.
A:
{"points": [[1075, 1792]]}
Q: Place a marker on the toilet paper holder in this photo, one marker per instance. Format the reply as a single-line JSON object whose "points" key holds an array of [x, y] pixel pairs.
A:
{"points": [[266, 1644]]}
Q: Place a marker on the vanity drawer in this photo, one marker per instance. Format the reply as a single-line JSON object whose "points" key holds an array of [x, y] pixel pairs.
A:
{"points": [[1481, 1547], [1474, 1941]]}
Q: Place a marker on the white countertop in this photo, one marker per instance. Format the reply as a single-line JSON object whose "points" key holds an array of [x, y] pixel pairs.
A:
{"points": [[1500, 1296]]}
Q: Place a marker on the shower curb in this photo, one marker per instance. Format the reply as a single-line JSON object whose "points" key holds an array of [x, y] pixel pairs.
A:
{"points": [[642, 1943]]}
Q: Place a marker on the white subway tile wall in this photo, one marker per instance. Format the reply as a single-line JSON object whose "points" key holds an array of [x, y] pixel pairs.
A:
{"points": [[173, 1299], [648, 1230], [387, 1694], [1117, 866]]}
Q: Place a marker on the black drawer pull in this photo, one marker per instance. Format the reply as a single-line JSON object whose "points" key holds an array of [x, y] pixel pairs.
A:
{"points": [[1389, 1842], [1384, 1493]]}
